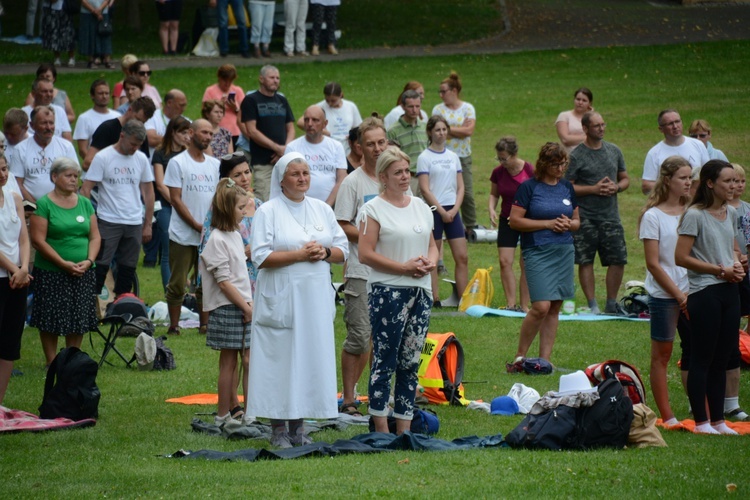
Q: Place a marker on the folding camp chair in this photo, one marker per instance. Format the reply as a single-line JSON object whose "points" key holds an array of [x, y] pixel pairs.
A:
{"points": [[115, 323]]}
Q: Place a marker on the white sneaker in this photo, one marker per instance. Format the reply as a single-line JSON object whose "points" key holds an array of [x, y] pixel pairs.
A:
{"points": [[248, 420], [71, 63], [58, 62]]}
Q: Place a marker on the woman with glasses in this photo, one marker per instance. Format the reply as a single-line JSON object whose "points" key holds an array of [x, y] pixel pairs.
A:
{"points": [[545, 211], [461, 118], [143, 72], [505, 181]]}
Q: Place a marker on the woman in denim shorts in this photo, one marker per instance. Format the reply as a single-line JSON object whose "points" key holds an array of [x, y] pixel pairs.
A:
{"points": [[666, 283]]}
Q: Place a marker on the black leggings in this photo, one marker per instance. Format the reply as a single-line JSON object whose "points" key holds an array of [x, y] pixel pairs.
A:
{"points": [[714, 332], [319, 14]]}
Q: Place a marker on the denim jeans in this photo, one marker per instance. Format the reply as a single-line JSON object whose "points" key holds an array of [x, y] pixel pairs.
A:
{"points": [[261, 18], [239, 15], [400, 317]]}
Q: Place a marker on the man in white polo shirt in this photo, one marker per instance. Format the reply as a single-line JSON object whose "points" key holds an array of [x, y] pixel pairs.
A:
{"points": [[191, 178], [32, 158], [324, 155], [674, 143], [123, 175]]}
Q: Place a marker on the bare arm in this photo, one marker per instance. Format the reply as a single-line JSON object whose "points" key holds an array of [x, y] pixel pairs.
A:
{"points": [[83, 146], [651, 252], [86, 188], [159, 179], [647, 186], [154, 139], [350, 230], [71, 114], [465, 130], [24, 191], [68, 136], [416, 267], [19, 275], [147, 193], [623, 181], [340, 176], [520, 222], [568, 138], [90, 153], [683, 258], [494, 198]]}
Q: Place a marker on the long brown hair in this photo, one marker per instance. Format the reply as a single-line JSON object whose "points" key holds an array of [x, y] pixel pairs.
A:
{"points": [[660, 193], [176, 124]]}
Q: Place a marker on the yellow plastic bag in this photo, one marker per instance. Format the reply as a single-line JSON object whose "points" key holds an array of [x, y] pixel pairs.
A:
{"points": [[479, 290]]}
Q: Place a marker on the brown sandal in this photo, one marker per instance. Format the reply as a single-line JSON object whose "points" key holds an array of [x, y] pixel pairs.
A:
{"points": [[350, 409]]}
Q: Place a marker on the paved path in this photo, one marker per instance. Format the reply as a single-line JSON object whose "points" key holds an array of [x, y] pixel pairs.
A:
{"points": [[540, 25]]}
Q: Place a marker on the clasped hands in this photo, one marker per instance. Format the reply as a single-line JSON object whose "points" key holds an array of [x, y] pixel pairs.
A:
{"points": [[313, 251], [418, 267], [607, 187], [561, 224]]}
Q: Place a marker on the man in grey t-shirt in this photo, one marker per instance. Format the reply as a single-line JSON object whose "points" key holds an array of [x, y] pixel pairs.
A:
{"points": [[597, 172]]}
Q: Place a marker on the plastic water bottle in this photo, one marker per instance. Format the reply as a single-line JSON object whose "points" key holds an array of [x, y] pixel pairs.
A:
{"points": [[474, 287]]}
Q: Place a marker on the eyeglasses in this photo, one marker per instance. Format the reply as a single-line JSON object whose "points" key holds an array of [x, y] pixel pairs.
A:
{"points": [[502, 160], [561, 165], [441, 91], [145, 73], [236, 154], [699, 136]]}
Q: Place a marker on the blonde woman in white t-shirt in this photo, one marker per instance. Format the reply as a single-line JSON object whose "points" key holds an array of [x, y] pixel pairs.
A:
{"points": [[395, 240], [666, 283]]}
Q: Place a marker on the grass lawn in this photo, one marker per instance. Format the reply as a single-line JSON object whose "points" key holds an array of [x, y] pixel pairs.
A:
{"points": [[518, 94]]}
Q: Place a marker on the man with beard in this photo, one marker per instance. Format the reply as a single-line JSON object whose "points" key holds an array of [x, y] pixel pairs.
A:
{"points": [[191, 177]]}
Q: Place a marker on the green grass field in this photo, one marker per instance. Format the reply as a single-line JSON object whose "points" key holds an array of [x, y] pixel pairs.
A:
{"points": [[518, 94]]}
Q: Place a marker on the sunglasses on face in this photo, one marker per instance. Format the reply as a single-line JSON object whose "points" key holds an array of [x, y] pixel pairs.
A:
{"points": [[145, 73], [698, 136]]}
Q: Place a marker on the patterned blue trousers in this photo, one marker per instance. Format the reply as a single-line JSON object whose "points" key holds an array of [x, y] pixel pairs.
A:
{"points": [[399, 317]]}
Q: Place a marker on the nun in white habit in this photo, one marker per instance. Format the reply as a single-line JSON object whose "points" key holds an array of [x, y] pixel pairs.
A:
{"points": [[294, 240]]}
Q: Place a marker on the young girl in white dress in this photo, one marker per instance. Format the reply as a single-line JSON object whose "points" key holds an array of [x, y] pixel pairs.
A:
{"points": [[227, 294]]}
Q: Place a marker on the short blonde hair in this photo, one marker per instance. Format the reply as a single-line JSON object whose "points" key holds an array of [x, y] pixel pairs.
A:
{"points": [[126, 61], [739, 169], [387, 158]]}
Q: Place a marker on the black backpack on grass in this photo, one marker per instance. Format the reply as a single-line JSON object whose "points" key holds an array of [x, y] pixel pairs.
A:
{"points": [[70, 390], [604, 424]]}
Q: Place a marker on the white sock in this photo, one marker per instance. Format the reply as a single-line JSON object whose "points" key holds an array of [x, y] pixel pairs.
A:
{"points": [[731, 404], [723, 428], [705, 428], [672, 421]]}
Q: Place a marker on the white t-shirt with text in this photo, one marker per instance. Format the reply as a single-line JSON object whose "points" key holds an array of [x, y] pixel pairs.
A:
{"points": [[119, 178], [324, 159]]}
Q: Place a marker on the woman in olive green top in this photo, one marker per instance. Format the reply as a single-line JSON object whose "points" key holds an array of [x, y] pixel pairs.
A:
{"points": [[66, 237]]}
